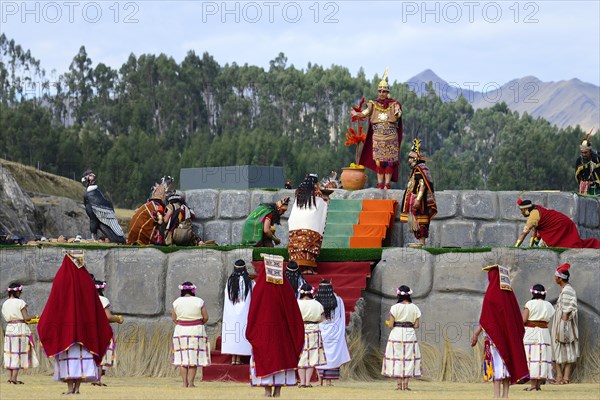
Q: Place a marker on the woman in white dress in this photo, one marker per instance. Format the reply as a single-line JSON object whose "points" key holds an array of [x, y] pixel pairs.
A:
{"points": [[538, 345], [333, 331], [110, 356], [313, 353], [402, 358], [19, 350], [190, 343], [238, 292]]}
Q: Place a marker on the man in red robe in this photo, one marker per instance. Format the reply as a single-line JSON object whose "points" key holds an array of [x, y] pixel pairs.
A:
{"points": [[275, 330], [501, 321], [73, 327], [553, 227]]}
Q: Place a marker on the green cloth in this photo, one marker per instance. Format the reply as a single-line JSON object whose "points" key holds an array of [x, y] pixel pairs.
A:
{"points": [[345, 205], [254, 226]]}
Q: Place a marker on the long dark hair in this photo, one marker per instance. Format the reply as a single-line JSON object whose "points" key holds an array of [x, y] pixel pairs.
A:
{"points": [[326, 297], [294, 276], [305, 290], [305, 193], [233, 283]]}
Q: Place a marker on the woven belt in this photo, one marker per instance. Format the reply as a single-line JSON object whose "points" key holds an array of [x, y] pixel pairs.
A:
{"points": [[195, 322], [16, 321], [536, 324], [311, 322], [403, 325]]}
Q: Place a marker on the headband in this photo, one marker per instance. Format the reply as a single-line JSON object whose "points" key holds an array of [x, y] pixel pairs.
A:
{"points": [[401, 293], [311, 291], [101, 286], [16, 289], [532, 290], [188, 287], [560, 275]]}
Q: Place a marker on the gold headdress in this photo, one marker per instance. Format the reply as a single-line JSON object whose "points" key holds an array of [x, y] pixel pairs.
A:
{"points": [[415, 149], [383, 83], [586, 144]]}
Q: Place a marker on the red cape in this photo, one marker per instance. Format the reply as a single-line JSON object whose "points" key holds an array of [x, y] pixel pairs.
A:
{"points": [[557, 230], [74, 314], [366, 155], [502, 321], [275, 328]]}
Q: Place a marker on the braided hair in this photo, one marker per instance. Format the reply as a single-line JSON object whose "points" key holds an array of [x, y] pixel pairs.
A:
{"points": [[305, 194], [294, 276], [326, 297], [233, 282]]}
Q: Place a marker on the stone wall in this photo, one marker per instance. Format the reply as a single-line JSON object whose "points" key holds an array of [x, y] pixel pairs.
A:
{"points": [[448, 288], [465, 218]]}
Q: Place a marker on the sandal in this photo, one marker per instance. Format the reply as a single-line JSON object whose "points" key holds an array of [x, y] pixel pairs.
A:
{"points": [[530, 389], [11, 381], [18, 382], [565, 381]]}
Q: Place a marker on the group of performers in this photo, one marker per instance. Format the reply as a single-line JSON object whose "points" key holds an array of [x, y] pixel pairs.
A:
{"points": [[281, 307]]}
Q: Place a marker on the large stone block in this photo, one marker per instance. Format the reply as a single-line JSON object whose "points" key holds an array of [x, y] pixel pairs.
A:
{"points": [[479, 205], [339, 194], [434, 234], [237, 227], [589, 215], [393, 194], [371, 323], [447, 203], [508, 207], [234, 204], [203, 202], [205, 269], [36, 297], [136, 281], [261, 196], [219, 231], [565, 203], [398, 235], [457, 234], [366, 194], [402, 266], [47, 261], [230, 257], [585, 269], [497, 234], [449, 316], [460, 272], [16, 265]]}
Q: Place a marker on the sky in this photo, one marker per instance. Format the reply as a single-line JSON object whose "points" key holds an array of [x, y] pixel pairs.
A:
{"points": [[469, 43]]}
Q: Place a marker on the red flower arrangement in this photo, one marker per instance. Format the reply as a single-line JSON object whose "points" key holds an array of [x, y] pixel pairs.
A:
{"points": [[356, 137]]}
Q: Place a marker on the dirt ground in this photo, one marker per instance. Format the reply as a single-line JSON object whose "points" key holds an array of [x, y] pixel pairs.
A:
{"points": [[43, 387]]}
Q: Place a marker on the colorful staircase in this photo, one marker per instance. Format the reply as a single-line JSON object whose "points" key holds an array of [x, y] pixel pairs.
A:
{"points": [[359, 223], [349, 279]]}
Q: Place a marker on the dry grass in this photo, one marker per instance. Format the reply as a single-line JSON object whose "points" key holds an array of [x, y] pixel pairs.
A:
{"points": [[43, 387], [33, 180]]}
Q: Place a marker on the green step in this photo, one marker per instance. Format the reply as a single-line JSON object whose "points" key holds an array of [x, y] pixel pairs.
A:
{"points": [[345, 205], [333, 229], [336, 242], [342, 217]]}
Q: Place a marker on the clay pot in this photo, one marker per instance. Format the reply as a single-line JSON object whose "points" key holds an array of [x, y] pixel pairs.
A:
{"points": [[353, 178]]}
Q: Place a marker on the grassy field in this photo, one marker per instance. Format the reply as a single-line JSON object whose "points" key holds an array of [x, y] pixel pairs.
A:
{"points": [[43, 387]]}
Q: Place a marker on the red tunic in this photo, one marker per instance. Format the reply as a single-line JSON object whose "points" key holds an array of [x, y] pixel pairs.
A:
{"points": [[557, 230]]}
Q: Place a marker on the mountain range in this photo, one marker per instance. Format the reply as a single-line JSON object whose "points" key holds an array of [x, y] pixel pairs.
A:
{"points": [[563, 103]]}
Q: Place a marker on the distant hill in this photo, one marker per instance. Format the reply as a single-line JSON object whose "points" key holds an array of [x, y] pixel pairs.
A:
{"points": [[563, 103]]}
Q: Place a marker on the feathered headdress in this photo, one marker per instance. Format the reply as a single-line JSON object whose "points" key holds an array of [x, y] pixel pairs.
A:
{"points": [[586, 144], [415, 149]]}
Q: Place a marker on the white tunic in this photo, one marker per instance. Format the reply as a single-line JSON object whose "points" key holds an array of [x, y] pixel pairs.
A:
{"points": [[235, 319], [313, 218], [333, 332]]}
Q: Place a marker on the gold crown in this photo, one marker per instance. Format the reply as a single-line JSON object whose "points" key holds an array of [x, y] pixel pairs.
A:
{"points": [[383, 83]]}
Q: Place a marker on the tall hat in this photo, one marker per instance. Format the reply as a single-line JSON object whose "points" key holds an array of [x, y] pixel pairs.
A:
{"points": [[586, 144], [562, 271], [383, 83], [415, 149]]}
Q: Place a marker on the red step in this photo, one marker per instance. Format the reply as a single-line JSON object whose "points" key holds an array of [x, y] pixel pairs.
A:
{"points": [[349, 279]]}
